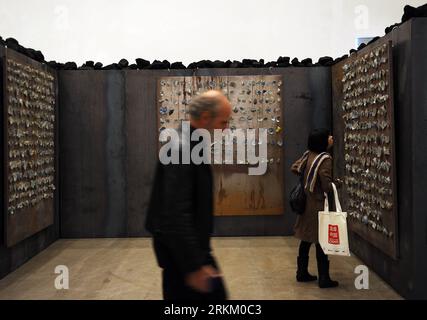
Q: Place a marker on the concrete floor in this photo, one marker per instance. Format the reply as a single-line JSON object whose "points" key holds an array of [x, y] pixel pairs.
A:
{"points": [[254, 268]]}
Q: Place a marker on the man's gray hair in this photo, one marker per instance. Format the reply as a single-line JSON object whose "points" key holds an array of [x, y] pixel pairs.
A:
{"points": [[204, 103]]}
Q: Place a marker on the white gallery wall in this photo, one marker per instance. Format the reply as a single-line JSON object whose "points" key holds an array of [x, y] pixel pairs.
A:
{"points": [[192, 30]]}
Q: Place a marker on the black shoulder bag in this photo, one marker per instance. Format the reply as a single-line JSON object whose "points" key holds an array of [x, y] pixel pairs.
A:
{"points": [[298, 197]]}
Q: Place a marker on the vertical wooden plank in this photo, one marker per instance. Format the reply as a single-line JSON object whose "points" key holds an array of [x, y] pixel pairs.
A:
{"points": [[92, 135], [2, 147], [142, 142], [419, 156]]}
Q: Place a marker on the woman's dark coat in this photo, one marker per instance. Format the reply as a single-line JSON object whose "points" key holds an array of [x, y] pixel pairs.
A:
{"points": [[306, 227]]}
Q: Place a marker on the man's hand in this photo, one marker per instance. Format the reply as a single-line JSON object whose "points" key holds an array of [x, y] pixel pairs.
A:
{"points": [[200, 279]]}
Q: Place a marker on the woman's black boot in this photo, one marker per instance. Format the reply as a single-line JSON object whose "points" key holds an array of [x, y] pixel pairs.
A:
{"points": [[302, 272], [324, 279]]}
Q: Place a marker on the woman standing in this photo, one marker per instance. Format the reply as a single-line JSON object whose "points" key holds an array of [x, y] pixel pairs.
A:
{"points": [[316, 166]]}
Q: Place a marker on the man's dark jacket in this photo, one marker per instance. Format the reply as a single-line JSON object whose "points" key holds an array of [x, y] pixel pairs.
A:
{"points": [[180, 214]]}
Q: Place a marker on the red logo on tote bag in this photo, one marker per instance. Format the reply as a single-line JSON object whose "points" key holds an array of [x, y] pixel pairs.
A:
{"points": [[333, 234]]}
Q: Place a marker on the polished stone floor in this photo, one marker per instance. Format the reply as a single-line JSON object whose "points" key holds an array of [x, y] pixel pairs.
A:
{"points": [[254, 268]]}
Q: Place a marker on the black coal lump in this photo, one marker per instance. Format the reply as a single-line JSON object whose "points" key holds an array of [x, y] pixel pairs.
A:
{"points": [[142, 63]]}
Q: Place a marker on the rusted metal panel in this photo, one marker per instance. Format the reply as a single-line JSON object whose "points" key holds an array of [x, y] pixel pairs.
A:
{"points": [[406, 274], [387, 244], [235, 191], [32, 219], [2, 184], [13, 257], [419, 155]]}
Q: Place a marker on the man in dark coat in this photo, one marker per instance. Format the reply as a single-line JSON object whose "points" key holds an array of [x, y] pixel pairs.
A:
{"points": [[180, 215]]}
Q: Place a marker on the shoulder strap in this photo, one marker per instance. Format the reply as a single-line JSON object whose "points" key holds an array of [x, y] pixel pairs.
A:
{"points": [[303, 163], [312, 174]]}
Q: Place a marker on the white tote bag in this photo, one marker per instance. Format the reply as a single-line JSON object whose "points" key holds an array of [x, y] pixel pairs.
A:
{"points": [[333, 236]]}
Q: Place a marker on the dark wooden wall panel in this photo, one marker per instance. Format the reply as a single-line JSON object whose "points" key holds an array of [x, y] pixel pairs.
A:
{"points": [[13, 257], [141, 135], [307, 106], [2, 56], [93, 149], [407, 273], [141, 138], [419, 158]]}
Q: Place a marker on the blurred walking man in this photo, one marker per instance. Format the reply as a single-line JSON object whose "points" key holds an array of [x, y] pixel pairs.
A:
{"points": [[180, 215]]}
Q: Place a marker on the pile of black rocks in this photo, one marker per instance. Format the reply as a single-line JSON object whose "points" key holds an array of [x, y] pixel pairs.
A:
{"points": [[14, 45], [141, 64], [409, 12], [282, 62]]}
